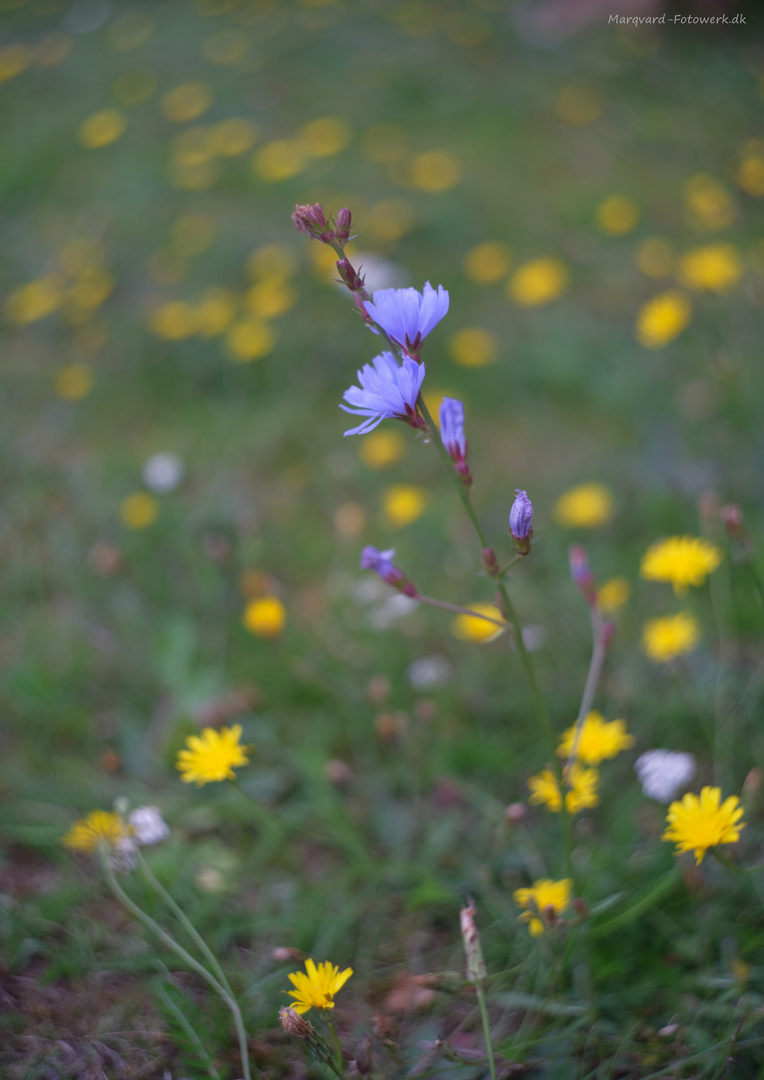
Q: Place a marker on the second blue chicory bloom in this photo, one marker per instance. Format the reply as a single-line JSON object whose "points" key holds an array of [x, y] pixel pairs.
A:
{"points": [[388, 390], [408, 316]]}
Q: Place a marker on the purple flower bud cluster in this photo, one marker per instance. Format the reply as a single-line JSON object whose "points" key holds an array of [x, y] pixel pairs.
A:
{"points": [[521, 521], [311, 221]]}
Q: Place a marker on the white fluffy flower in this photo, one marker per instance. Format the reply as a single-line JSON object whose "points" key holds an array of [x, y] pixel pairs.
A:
{"points": [[163, 472], [147, 826], [664, 773]]}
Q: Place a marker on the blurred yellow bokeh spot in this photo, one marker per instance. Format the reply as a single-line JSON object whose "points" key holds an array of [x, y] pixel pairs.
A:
{"points": [[382, 448], [130, 30], [192, 234], [487, 263], [249, 339], [470, 628], [52, 49], [709, 203], [138, 511], [613, 595], [655, 257], [265, 617], [226, 47], [174, 320], [538, 281], [662, 318], [578, 104], [403, 503], [750, 175], [233, 137], [435, 171], [135, 86], [473, 347], [280, 160], [617, 215], [325, 136], [215, 312], [587, 506], [186, 102], [102, 128], [272, 262], [91, 287], [74, 381], [36, 300], [269, 299], [716, 267], [383, 143], [324, 261], [193, 176], [349, 520], [391, 219], [13, 60]]}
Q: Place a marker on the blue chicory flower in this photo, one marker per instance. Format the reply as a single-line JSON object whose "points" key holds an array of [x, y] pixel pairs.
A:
{"points": [[387, 391], [381, 562], [408, 316], [452, 434]]}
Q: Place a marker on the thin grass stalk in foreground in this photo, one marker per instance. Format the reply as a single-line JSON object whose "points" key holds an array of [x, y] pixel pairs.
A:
{"points": [[486, 1030], [599, 648]]}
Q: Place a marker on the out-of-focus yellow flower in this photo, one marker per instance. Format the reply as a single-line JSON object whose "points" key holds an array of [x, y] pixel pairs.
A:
{"points": [[174, 320], [581, 794], [214, 312], [697, 824], [349, 520], [193, 146], [102, 128], [470, 628], [265, 616], [35, 300], [486, 263], [403, 503], [279, 160], [665, 639], [212, 756], [750, 175], [717, 267], [708, 202], [226, 47], [100, 827], [272, 262], [74, 381], [613, 595], [233, 137], [133, 87], [682, 560], [383, 143], [249, 339], [192, 234], [391, 219], [538, 281], [316, 989], [435, 171], [382, 448], [13, 60], [130, 30], [167, 267], [599, 740], [186, 102], [545, 900], [617, 215], [268, 299], [662, 318], [655, 257], [324, 261], [196, 176], [578, 104], [325, 136], [91, 287], [587, 506], [473, 347], [52, 50], [138, 511]]}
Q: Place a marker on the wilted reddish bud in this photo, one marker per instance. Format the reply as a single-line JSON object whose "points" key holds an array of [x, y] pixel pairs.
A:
{"points": [[516, 812], [344, 219], [581, 573], [350, 276], [476, 973], [732, 519], [311, 221], [292, 1022], [490, 562]]}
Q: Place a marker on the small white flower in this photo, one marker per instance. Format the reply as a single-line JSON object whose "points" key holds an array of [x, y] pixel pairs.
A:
{"points": [[148, 826], [163, 472], [664, 773], [430, 672], [123, 855]]}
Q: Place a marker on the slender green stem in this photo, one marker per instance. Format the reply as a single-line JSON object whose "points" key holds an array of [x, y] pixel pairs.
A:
{"points": [[590, 686], [177, 948], [459, 610], [664, 885], [486, 1029], [337, 1048]]}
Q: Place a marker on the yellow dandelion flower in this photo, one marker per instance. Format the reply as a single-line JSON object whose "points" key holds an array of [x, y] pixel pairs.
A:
{"points": [[543, 901], [130, 30], [273, 262], [403, 503], [325, 136], [473, 347], [212, 756], [100, 827], [662, 318], [138, 511], [226, 47], [617, 215], [215, 312], [135, 86], [316, 989], [435, 171], [268, 299], [486, 263], [280, 160], [265, 616], [716, 267], [249, 339], [581, 794], [391, 219], [598, 741], [613, 595], [751, 174], [665, 639], [102, 128], [74, 381], [13, 60], [682, 560], [708, 202], [382, 448], [470, 628], [35, 300], [655, 257], [174, 320], [186, 102], [587, 506], [233, 137], [697, 824], [538, 281]]}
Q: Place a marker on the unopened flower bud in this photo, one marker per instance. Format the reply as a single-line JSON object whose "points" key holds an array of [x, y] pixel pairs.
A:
{"points": [[581, 573], [381, 562], [515, 813], [732, 519], [521, 522], [451, 419], [310, 220], [292, 1022], [490, 562], [344, 220], [350, 276], [476, 973]]}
